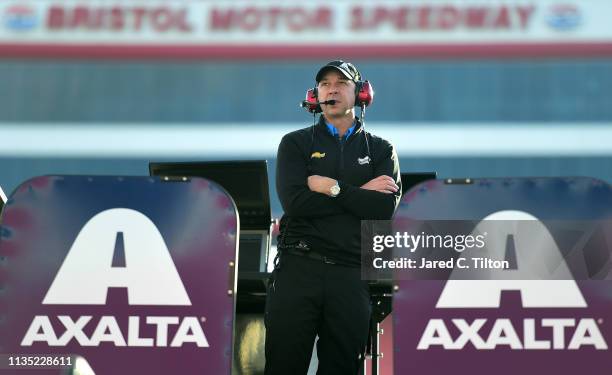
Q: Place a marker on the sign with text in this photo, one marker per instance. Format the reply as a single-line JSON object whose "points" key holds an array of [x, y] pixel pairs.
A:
{"points": [[265, 28], [510, 325], [118, 275]]}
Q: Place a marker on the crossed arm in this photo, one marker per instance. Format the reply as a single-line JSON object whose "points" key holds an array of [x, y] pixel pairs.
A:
{"points": [[309, 196], [383, 184]]}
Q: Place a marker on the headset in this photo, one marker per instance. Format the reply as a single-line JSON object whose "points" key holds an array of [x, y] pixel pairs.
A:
{"points": [[364, 95]]}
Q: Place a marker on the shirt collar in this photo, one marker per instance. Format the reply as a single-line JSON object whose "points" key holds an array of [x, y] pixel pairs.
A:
{"points": [[332, 129]]}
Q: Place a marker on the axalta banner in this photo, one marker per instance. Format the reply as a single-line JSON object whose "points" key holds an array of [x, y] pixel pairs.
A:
{"points": [[511, 325], [279, 28], [117, 275]]}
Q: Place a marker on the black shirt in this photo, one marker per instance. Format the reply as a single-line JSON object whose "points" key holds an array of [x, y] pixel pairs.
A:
{"points": [[332, 225]]}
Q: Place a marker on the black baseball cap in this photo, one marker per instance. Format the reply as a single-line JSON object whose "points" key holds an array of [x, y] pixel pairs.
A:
{"points": [[346, 68]]}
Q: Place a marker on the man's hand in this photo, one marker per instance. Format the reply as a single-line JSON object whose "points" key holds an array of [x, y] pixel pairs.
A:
{"points": [[383, 184], [320, 184]]}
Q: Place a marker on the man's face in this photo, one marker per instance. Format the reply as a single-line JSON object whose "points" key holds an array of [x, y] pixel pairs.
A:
{"points": [[336, 86]]}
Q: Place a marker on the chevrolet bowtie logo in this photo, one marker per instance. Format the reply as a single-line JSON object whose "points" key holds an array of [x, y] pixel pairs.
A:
{"points": [[317, 155]]}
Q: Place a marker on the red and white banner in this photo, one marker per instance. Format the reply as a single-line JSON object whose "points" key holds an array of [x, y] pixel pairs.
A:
{"points": [[277, 28]]}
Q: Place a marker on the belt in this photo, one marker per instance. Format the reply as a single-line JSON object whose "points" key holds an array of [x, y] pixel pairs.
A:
{"points": [[316, 256]]}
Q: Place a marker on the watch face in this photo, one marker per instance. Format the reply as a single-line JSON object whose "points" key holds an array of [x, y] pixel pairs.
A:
{"points": [[335, 190]]}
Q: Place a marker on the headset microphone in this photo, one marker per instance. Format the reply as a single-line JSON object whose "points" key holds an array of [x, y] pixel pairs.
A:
{"points": [[311, 106]]}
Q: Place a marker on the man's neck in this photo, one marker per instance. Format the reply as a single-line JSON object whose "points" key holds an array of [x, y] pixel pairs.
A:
{"points": [[342, 124]]}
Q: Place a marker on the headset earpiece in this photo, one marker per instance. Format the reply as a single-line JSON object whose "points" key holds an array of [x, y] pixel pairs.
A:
{"points": [[311, 102], [364, 93]]}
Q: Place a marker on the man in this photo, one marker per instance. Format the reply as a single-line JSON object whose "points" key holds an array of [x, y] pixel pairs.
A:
{"points": [[329, 178]]}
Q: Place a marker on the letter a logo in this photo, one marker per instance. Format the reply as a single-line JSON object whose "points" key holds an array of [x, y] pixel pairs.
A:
{"points": [[531, 252], [150, 276]]}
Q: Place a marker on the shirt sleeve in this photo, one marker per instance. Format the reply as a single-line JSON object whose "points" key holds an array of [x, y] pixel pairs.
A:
{"points": [[370, 204], [296, 198]]}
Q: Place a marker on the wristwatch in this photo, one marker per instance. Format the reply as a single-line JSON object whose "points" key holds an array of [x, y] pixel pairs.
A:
{"points": [[334, 190]]}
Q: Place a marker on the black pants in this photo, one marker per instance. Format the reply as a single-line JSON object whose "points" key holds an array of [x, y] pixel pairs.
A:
{"points": [[310, 298]]}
